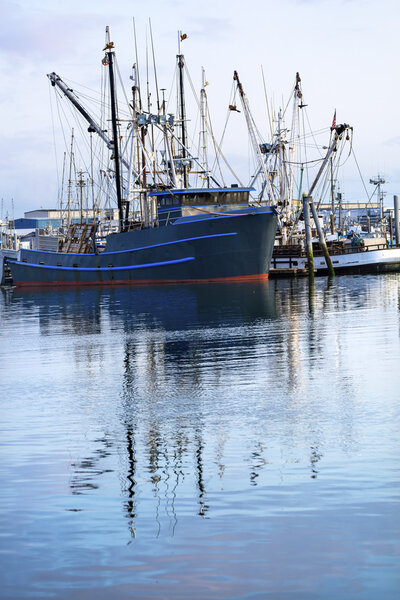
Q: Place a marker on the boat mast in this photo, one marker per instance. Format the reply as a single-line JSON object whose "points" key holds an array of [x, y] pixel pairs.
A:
{"points": [[297, 104], [169, 166], [81, 184], [203, 132], [114, 122], [62, 193], [282, 165], [332, 199], [91, 178], [158, 99], [71, 160], [140, 134], [133, 134], [181, 109], [287, 201]]}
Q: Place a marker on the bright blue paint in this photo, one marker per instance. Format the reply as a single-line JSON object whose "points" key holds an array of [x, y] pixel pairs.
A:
{"points": [[202, 237], [108, 269], [181, 222]]}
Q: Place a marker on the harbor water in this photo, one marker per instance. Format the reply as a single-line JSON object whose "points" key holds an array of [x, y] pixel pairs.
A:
{"points": [[230, 441]]}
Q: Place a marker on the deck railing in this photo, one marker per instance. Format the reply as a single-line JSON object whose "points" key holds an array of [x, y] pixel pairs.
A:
{"points": [[288, 256]]}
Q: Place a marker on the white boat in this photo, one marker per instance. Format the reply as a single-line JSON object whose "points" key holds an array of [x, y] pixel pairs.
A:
{"points": [[356, 256], [307, 237]]}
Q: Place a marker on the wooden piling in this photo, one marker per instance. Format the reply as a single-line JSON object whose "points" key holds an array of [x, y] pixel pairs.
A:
{"points": [[396, 219], [322, 240], [307, 224]]}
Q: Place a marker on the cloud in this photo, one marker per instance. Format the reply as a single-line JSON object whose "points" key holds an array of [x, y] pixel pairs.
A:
{"points": [[212, 28], [39, 37], [392, 141]]}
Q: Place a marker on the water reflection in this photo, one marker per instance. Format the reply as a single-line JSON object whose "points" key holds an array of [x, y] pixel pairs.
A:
{"points": [[206, 382], [172, 307], [204, 441], [87, 471]]}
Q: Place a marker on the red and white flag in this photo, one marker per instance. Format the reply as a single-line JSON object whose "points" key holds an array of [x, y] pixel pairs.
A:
{"points": [[334, 121]]}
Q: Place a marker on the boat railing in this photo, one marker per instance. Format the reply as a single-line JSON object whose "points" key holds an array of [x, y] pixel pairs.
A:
{"points": [[288, 255], [353, 249]]}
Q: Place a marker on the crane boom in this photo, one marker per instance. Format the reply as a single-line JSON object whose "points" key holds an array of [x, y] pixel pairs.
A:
{"points": [[253, 138], [93, 127]]}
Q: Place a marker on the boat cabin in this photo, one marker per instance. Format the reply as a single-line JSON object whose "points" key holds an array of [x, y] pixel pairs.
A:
{"points": [[175, 203]]}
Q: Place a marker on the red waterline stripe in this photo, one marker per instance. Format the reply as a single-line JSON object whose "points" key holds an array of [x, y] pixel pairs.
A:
{"points": [[146, 282]]}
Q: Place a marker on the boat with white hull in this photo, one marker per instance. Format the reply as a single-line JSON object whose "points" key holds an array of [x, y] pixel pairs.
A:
{"points": [[374, 257]]}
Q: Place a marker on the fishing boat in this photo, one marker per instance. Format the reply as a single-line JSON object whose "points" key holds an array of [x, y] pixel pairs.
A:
{"points": [[305, 241], [357, 255], [357, 249], [168, 230]]}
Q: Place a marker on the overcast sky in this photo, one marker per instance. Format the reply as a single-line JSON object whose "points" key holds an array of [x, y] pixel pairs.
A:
{"points": [[345, 50]]}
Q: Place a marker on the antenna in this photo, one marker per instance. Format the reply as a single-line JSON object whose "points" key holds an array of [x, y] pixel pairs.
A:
{"points": [[154, 66], [137, 64]]}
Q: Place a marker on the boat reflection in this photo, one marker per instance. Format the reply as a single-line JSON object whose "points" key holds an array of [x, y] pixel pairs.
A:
{"points": [[171, 307], [206, 382], [151, 456]]}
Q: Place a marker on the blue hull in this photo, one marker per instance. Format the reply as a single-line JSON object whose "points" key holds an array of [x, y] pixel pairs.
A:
{"points": [[201, 249]]}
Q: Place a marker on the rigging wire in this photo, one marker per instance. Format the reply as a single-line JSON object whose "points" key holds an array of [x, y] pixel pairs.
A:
{"points": [[154, 66], [218, 145], [215, 145], [54, 138], [130, 110], [64, 119], [267, 103], [369, 197], [312, 134]]}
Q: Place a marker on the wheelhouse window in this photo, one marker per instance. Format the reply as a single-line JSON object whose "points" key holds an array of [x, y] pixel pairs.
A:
{"points": [[204, 198]]}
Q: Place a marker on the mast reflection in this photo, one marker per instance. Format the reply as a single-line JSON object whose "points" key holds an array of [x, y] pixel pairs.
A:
{"points": [[203, 377]]}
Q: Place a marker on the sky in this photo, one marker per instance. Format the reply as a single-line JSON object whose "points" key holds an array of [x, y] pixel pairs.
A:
{"points": [[346, 52]]}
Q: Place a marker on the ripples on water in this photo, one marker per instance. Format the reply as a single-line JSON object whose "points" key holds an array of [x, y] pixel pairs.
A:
{"points": [[209, 441]]}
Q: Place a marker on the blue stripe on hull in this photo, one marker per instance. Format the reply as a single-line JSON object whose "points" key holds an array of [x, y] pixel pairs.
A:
{"points": [[191, 239], [189, 220], [108, 269]]}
